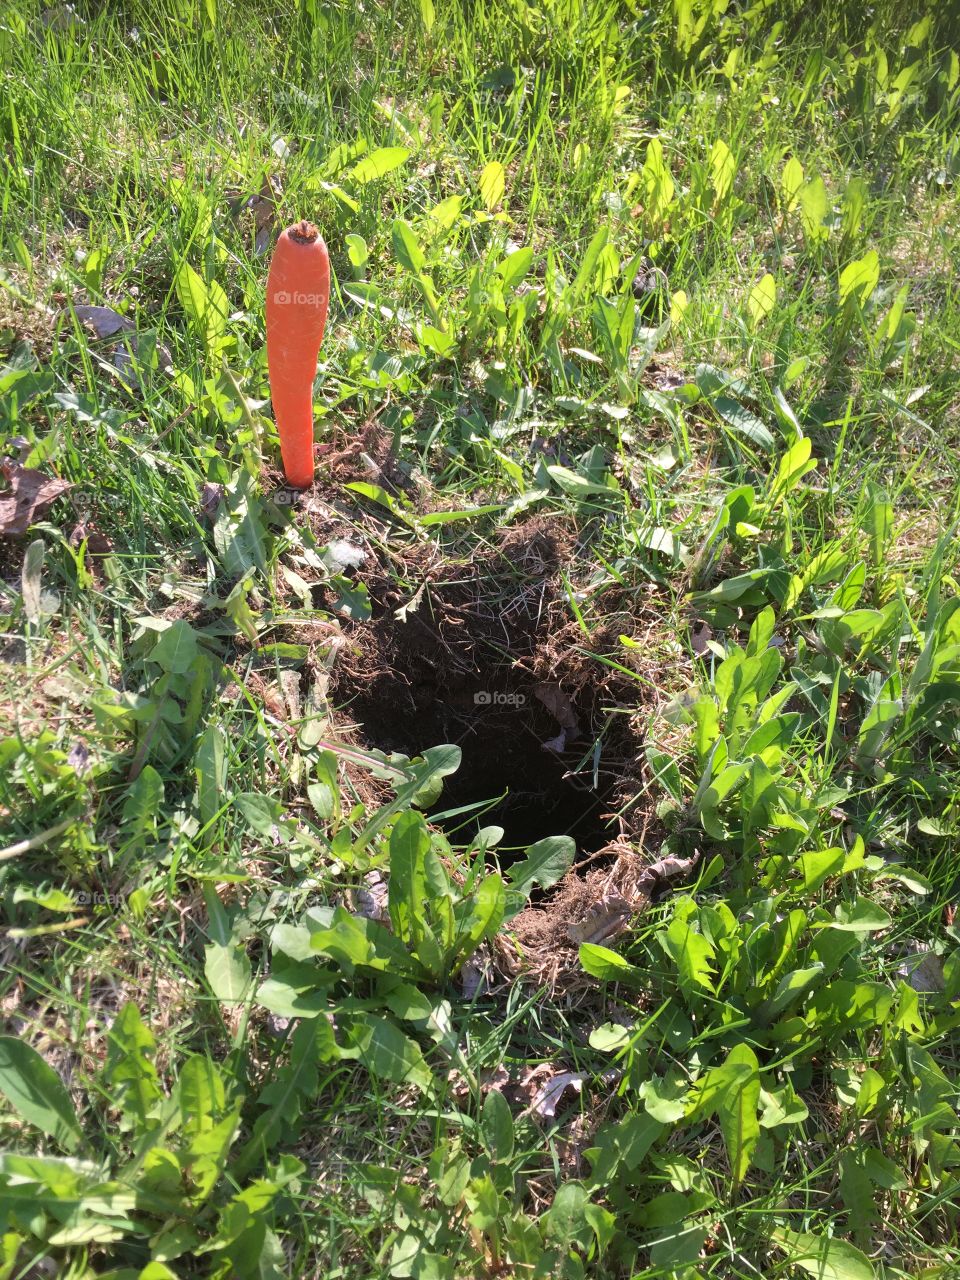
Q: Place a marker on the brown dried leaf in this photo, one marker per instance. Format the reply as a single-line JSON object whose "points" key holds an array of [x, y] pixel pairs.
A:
{"points": [[28, 497], [923, 970], [663, 869], [604, 921], [264, 206], [473, 978], [558, 704], [211, 495], [104, 321], [547, 1099], [700, 639], [371, 901]]}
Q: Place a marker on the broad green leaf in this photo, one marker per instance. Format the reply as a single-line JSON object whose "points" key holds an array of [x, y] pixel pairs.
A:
{"points": [[658, 184], [790, 183], [377, 164], [205, 305], [262, 813], [862, 916], [814, 207], [761, 632], [376, 493], [514, 267], [129, 1071], [823, 1257], [781, 1106], [492, 185], [546, 862], [201, 1093], [480, 917], [288, 1092], [176, 648], [210, 766], [794, 465], [818, 865], [762, 299], [386, 1052], [409, 842], [227, 970], [733, 588], [737, 1100], [295, 991], [878, 524], [743, 421], [600, 962], [860, 278], [467, 513], [588, 266], [565, 1220], [357, 251], [665, 1099], [406, 248], [445, 213], [691, 953], [37, 1093], [843, 1006], [497, 1126], [239, 533], [723, 168], [854, 199], [665, 771]]}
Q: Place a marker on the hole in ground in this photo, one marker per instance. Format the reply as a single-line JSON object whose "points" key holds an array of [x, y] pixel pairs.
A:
{"points": [[500, 726], [481, 651]]}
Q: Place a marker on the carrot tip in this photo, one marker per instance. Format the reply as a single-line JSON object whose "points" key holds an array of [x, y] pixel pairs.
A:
{"points": [[304, 232]]}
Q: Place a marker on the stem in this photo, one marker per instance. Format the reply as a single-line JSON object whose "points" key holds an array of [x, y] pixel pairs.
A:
{"points": [[35, 842]]}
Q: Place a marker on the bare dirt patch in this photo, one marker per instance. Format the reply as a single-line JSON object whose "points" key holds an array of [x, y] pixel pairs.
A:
{"points": [[481, 652]]}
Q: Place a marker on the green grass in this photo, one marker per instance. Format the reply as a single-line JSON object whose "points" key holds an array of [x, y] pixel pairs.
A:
{"points": [[220, 1069]]}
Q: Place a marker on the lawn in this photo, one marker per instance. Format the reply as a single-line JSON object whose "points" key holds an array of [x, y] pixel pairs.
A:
{"points": [[533, 849]]}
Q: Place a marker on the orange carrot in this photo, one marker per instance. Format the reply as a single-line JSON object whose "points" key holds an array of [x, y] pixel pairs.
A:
{"points": [[298, 290]]}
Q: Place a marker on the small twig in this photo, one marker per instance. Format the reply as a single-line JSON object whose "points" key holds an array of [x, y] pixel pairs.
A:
{"points": [[35, 842]]}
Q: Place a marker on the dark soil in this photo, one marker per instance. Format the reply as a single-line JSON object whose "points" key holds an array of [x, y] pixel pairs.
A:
{"points": [[486, 657]]}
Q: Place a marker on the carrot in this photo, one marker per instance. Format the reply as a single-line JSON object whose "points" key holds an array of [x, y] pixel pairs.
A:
{"points": [[298, 290]]}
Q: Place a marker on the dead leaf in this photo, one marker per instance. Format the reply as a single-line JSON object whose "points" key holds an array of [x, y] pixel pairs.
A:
{"points": [[558, 704], [277, 1027], [211, 496], [98, 544], [475, 976], [61, 17], [700, 639], [498, 1079], [28, 497], [263, 206], [663, 869], [923, 970], [104, 321], [548, 1098], [290, 684], [604, 921], [371, 901]]}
